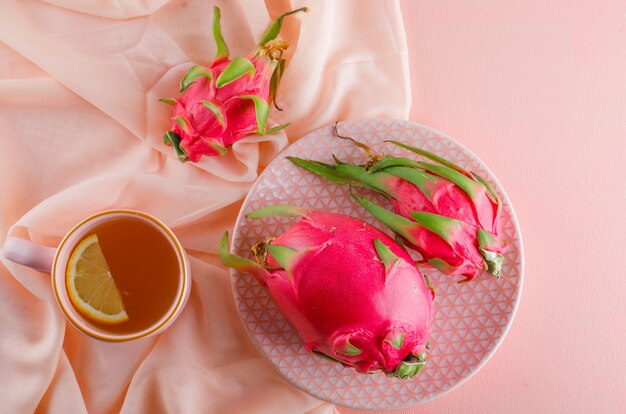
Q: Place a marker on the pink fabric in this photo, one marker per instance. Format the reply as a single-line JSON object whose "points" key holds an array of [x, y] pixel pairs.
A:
{"points": [[81, 128]]}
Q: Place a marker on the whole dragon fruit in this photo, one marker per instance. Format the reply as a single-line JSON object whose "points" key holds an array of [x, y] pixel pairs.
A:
{"points": [[354, 294], [447, 214], [229, 99]]}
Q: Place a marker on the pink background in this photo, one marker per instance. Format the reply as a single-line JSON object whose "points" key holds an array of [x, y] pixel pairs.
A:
{"points": [[538, 91]]}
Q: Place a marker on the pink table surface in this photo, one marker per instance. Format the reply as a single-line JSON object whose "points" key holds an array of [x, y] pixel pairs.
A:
{"points": [[538, 90]]}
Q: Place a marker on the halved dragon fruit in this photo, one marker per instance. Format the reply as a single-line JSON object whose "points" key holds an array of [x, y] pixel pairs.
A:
{"points": [[447, 214], [229, 99], [353, 294]]}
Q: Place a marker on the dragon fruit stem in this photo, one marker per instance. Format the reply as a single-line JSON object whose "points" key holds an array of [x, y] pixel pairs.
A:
{"points": [[492, 192], [350, 349], [281, 210], [274, 29], [442, 226], [390, 161], [395, 222], [222, 47], [385, 254], [493, 260], [344, 173], [324, 356], [325, 170], [237, 68], [487, 240], [215, 109], [275, 82], [469, 186], [430, 156], [277, 128], [422, 180], [168, 101], [241, 263], [411, 366], [396, 341], [444, 267], [182, 123], [374, 158], [173, 139], [285, 256], [337, 160], [221, 149], [192, 74], [359, 144], [360, 174], [262, 111]]}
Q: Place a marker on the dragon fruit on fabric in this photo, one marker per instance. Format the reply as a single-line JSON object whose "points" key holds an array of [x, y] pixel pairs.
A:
{"points": [[447, 214], [229, 99], [353, 293]]}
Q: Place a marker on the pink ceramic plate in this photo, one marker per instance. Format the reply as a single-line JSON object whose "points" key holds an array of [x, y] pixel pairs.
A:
{"points": [[471, 319]]}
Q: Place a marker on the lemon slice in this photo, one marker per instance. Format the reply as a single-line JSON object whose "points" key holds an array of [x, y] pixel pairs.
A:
{"points": [[91, 287]]}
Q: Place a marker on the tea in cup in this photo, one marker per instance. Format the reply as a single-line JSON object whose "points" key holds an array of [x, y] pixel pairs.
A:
{"points": [[118, 275]]}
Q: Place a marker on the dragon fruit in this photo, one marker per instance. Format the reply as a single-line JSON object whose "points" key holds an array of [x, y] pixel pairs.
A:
{"points": [[447, 214], [228, 100], [353, 293]]}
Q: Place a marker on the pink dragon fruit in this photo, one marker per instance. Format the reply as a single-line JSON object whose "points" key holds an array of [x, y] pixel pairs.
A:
{"points": [[354, 294], [228, 100], [447, 214]]}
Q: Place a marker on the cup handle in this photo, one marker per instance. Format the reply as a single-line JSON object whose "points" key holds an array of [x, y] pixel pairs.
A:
{"points": [[29, 254]]}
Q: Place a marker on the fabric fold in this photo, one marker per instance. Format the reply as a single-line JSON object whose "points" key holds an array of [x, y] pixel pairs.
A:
{"points": [[115, 9], [82, 130]]}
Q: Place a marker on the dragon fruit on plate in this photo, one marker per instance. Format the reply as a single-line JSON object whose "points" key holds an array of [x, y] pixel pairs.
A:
{"points": [[354, 295], [229, 99], [447, 214]]}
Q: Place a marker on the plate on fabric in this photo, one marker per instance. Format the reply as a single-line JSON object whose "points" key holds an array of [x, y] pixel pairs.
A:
{"points": [[471, 319]]}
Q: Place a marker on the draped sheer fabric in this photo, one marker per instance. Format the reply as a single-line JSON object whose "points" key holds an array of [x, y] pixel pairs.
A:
{"points": [[81, 131]]}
